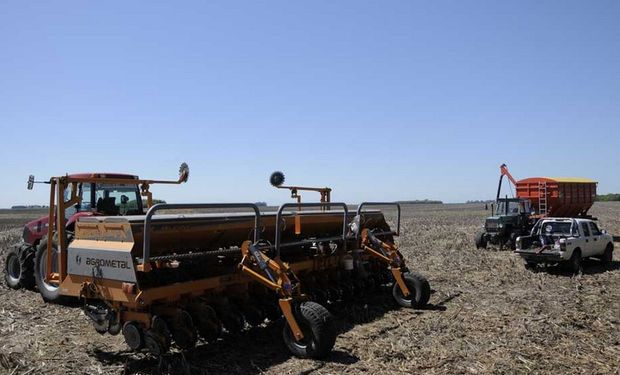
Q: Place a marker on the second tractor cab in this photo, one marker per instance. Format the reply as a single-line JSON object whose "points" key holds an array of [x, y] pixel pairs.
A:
{"points": [[512, 217]]}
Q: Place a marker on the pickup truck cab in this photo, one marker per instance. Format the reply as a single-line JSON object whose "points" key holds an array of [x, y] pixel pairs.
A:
{"points": [[565, 240]]}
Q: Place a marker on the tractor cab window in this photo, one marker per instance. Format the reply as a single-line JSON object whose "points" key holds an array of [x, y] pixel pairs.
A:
{"points": [[69, 211], [526, 207], [85, 205], [118, 199], [510, 207], [85, 193]]}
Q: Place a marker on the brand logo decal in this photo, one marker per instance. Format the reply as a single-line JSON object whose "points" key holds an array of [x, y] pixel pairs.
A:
{"points": [[110, 263]]}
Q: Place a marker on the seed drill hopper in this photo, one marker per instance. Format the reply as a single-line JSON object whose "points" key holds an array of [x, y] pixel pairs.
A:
{"points": [[172, 278]]}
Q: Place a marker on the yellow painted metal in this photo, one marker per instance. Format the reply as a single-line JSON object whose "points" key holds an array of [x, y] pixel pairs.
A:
{"points": [[398, 276], [578, 180], [287, 308]]}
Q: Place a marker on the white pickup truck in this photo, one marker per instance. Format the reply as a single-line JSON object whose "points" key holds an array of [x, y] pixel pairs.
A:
{"points": [[565, 240]]}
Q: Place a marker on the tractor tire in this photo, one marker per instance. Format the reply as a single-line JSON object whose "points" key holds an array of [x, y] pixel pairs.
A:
{"points": [[317, 325], [19, 269], [574, 263], [481, 242], [608, 255], [49, 293], [419, 289]]}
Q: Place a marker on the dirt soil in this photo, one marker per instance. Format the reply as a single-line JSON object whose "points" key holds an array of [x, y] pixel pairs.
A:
{"points": [[487, 315]]}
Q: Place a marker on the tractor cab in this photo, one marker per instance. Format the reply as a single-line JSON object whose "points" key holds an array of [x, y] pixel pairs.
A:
{"points": [[510, 216], [92, 198], [109, 199], [513, 207], [92, 194]]}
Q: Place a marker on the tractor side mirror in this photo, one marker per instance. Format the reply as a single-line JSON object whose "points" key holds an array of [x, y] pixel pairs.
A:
{"points": [[30, 182]]}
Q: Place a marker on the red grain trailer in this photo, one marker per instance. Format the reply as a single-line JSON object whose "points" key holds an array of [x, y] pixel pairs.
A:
{"points": [[558, 196]]}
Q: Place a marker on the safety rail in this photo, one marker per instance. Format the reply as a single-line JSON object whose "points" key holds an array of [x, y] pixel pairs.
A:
{"points": [[359, 211], [298, 207], [146, 249]]}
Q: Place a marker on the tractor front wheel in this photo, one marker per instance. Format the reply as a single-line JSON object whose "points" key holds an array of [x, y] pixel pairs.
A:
{"points": [[317, 325], [18, 268]]}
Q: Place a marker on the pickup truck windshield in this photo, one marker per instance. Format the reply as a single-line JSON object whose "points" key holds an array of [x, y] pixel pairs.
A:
{"points": [[556, 228]]}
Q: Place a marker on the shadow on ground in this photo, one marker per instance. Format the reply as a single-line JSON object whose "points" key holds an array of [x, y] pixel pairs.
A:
{"points": [[255, 349], [588, 267]]}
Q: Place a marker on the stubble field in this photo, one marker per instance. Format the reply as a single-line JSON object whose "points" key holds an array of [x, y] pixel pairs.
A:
{"points": [[487, 314]]}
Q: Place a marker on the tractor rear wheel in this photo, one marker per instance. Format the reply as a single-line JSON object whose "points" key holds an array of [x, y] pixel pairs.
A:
{"points": [[419, 289], [317, 325], [49, 292]]}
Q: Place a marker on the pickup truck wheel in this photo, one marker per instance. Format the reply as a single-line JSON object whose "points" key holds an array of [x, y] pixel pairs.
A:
{"points": [[608, 255], [574, 263], [481, 242]]}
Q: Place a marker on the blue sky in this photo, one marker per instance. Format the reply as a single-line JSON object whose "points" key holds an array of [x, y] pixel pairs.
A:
{"points": [[378, 100]]}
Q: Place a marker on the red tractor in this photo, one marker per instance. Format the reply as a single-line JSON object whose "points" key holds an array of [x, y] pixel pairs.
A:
{"points": [[77, 195]]}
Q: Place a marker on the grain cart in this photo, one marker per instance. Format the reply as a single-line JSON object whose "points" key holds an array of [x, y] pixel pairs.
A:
{"points": [[174, 278], [536, 197]]}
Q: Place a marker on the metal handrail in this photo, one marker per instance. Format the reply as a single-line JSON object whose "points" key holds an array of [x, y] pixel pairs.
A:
{"points": [[146, 249], [299, 206], [359, 211]]}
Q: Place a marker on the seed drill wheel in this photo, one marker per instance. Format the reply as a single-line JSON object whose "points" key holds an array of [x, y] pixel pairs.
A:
{"points": [[319, 330], [231, 318], [206, 321], [19, 270], [157, 338], [133, 335], [419, 289], [183, 330]]}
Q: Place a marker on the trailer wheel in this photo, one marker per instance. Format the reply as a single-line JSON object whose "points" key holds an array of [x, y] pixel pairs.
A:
{"points": [[419, 288], [481, 242], [574, 263], [49, 292], [608, 255], [317, 325]]}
